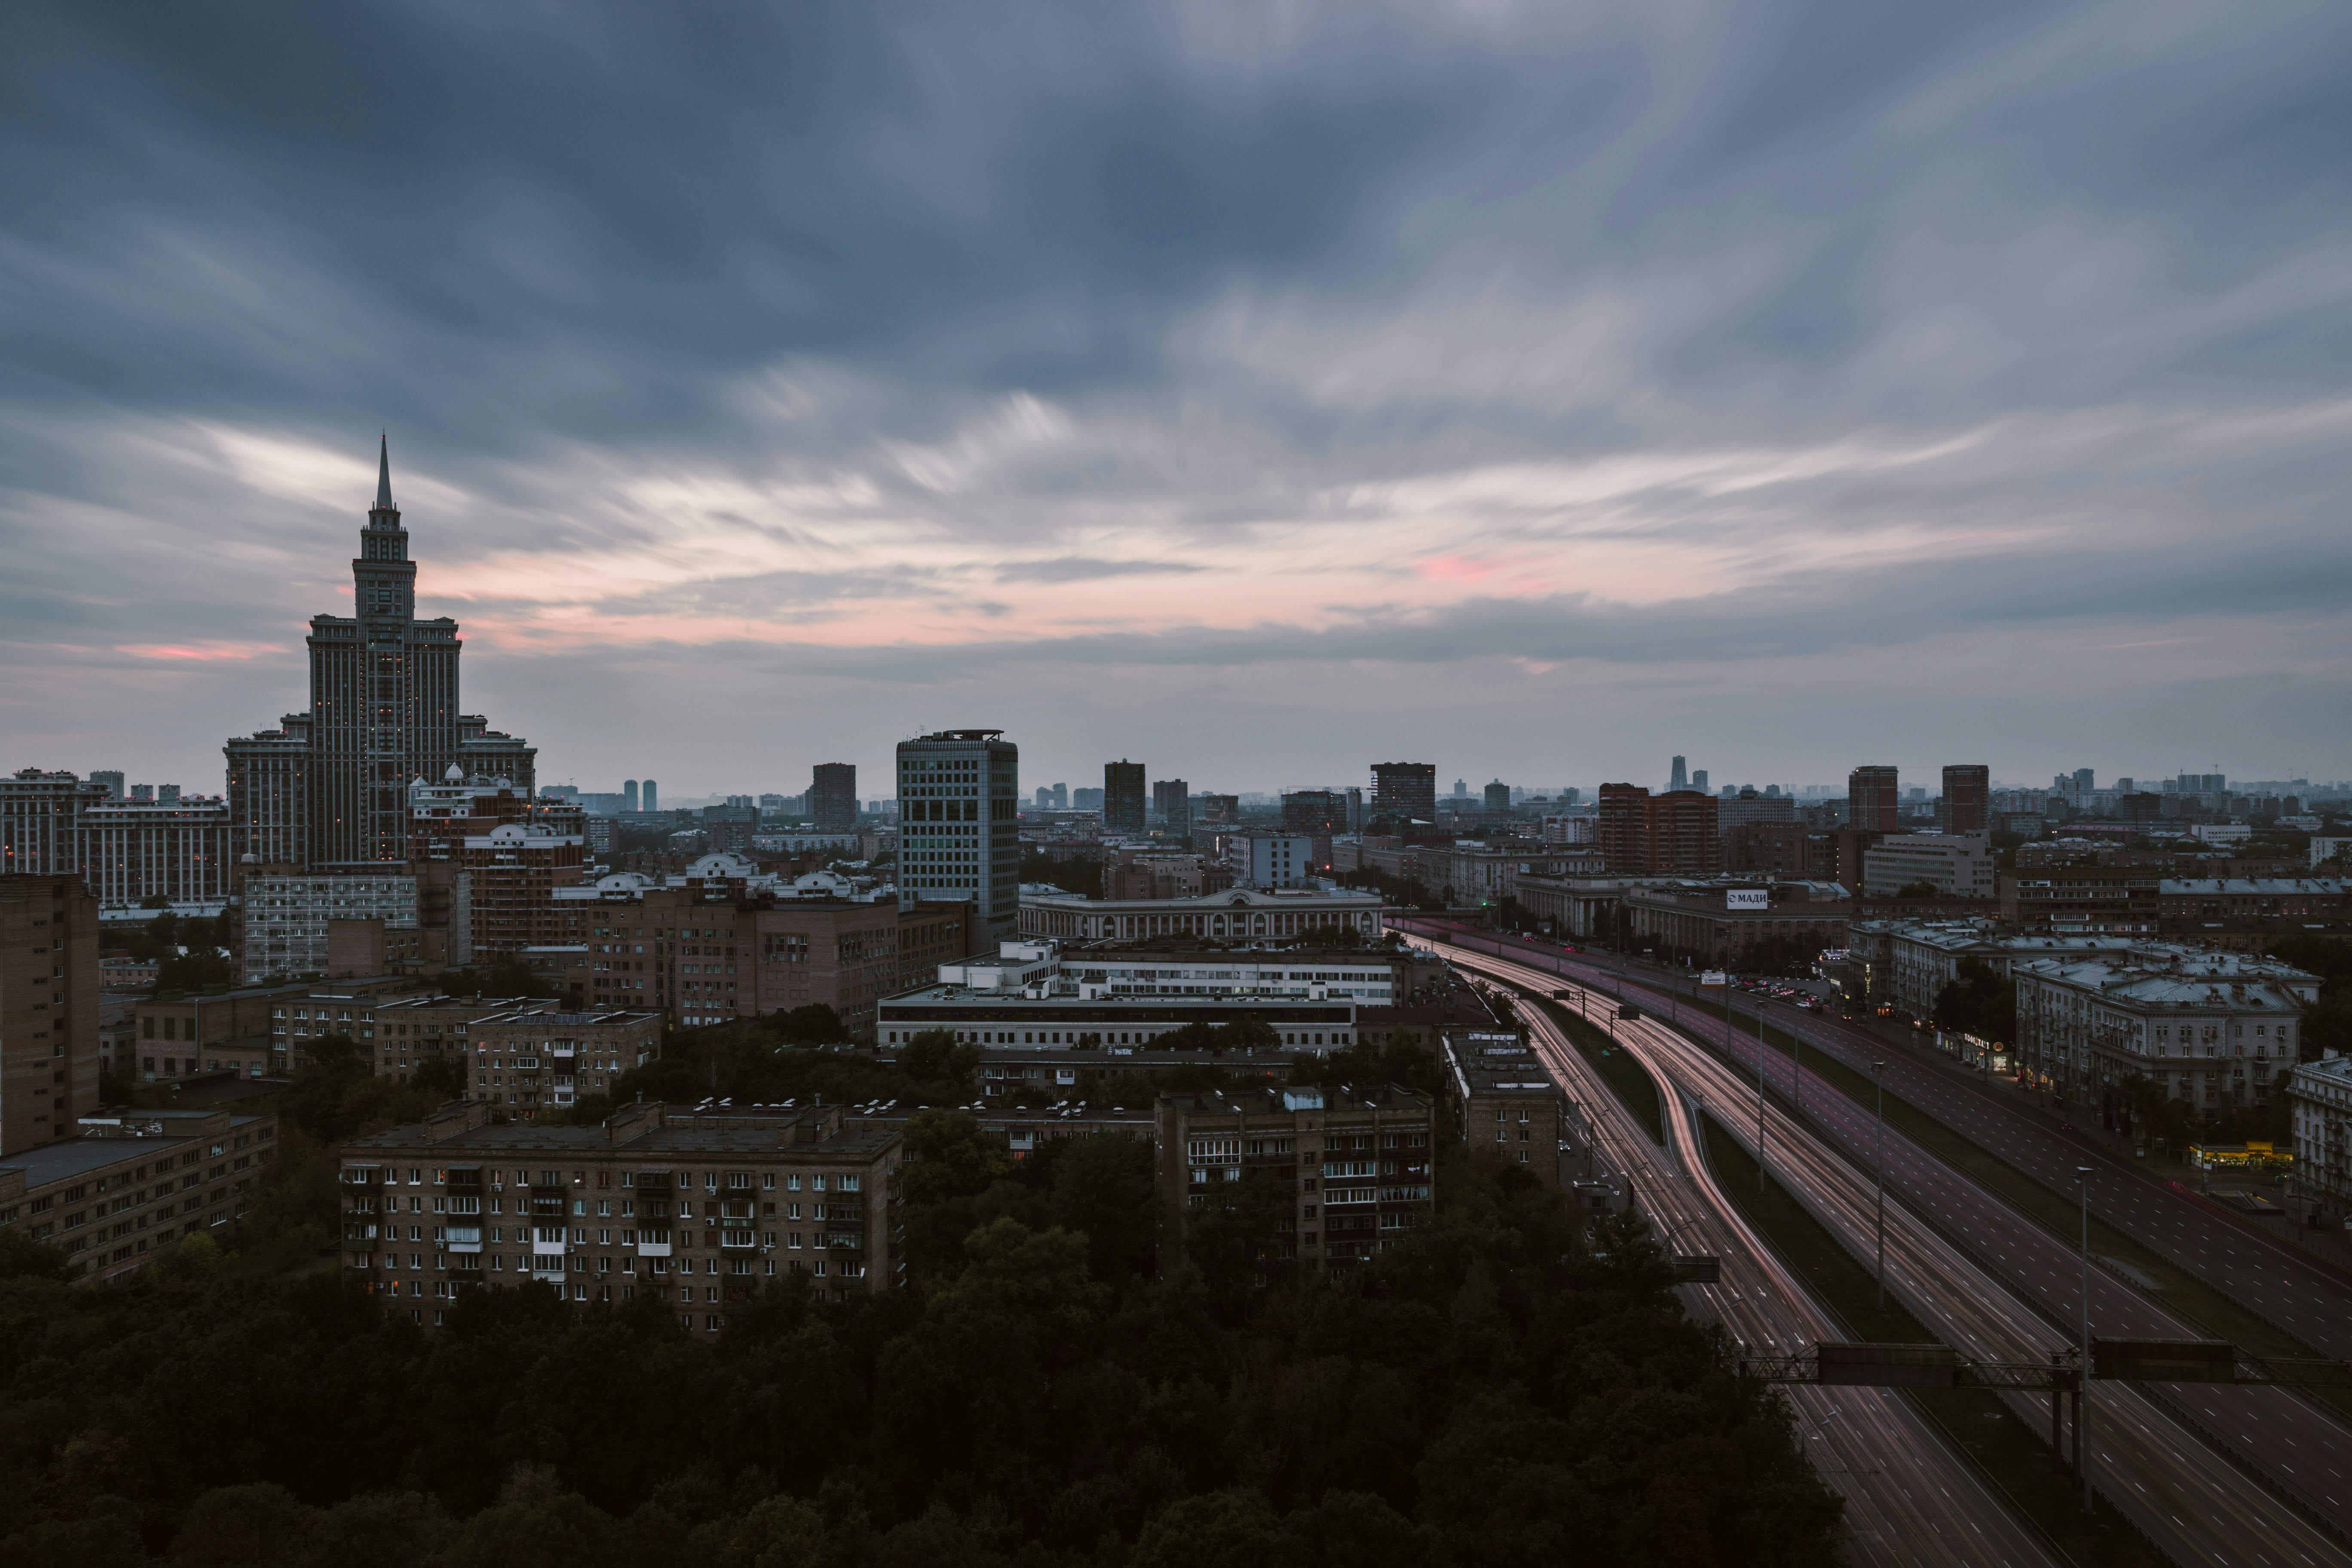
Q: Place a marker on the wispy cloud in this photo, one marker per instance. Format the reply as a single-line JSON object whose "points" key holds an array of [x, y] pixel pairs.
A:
{"points": [[1562, 385]]}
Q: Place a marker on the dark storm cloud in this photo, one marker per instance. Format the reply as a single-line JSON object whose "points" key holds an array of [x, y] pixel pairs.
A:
{"points": [[1159, 300]]}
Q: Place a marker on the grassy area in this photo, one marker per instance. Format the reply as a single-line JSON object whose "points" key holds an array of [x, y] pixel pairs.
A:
{"points": [[2212, 1312], [1615, 1064], [2004, 1447]]}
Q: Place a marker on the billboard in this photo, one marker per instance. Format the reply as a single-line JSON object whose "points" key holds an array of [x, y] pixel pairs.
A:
{"points": [[1748, 899]]}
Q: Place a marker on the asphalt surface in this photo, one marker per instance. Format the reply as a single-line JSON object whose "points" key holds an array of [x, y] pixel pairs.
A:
{"points": [[2266, 1275], [1911, 1498], [2001, 1286]]}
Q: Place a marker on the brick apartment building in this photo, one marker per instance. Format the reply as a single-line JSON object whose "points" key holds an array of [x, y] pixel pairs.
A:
{"points": [[49, 1008], [1356, 1163], [134, 1186], [704, 1208], [2125, 900], [533, 1059], [1502, 1099], [698, 959], [1669, 835]]}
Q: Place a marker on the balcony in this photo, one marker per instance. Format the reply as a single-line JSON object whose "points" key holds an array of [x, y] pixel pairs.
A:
{"points": [[465, 1239]]}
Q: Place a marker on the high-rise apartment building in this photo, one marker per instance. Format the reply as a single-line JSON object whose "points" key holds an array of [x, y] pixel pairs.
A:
{"points": [[1873, 798], [133, 850], [1968, 794], [832, 797], [628, 794], [1498, 797], [1669, 835], [49, 1009], [111, 779], [1172, 803], [1680, 779], [269, 793], [40, 822], [1123, 798], [384, 709], [652, 795], [125, 851], [1320, 812], [1407, 790], [1698, 780], [960, 825]]}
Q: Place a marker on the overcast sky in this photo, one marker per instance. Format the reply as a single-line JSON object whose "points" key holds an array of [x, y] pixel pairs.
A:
{"points": [[1257, 391]]}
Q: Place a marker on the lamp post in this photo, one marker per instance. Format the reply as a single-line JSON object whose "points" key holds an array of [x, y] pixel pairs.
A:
{"points": [[1876, 1069], [2082, 1388], [1759, 1079]]}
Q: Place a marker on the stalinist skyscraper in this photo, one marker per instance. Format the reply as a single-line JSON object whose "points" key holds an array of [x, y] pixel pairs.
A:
{"points": [[330, 786]]}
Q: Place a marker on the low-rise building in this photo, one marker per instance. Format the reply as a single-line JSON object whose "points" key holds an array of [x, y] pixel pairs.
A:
{"points": [[1734, 923], [2212, 1029], [287, 921], [1269, 859], [1317, 913], [2081, 899], [722, 949], [1956, 865], [702, 1206], [131, 1187], [1358, 1163], [1913, 961], [531, 1060], [1503, 1099], [1032, 993]]}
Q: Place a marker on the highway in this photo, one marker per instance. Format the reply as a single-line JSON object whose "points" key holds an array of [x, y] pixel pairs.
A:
{"points": [[1911, 1498], [2265, 1275], [2001, 1288]]}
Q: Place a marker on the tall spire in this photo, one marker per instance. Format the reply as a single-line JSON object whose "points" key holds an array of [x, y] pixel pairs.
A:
{"points": [[383, 475]]}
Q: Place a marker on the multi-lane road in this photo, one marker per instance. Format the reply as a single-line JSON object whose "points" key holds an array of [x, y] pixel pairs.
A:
{"points": [[1911, 1498], [2264, 1275], [2002, 1288]]}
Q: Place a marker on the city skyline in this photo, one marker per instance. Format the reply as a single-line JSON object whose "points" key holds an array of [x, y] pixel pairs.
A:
{"points": [[1534, 388]]}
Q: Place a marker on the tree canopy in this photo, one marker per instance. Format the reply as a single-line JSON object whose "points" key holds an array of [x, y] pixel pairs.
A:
{"points": [[1495, 1386]]}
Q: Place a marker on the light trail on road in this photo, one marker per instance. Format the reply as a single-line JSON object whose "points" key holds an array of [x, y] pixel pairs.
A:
{"points": [[1911, 1497], [2005, 1304]]}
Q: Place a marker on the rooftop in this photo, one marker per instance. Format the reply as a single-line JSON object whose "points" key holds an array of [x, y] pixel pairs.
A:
{"points": [[1340, 1100], [71, 1157]]}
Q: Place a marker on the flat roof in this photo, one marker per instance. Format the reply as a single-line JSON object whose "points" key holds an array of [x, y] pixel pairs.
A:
{"points": [[530, 1137], [70, 1157], [1341, 1100]]}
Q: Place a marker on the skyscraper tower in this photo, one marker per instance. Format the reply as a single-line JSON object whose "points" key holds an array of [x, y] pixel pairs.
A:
{"points": [[1873, 799], [1123, 798], [383, 713], [1968, 790], [628, 794], [1680, 779], [959, 825], [832, 797]]}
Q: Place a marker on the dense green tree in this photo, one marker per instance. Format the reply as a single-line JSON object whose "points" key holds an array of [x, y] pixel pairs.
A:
{"points": [[22, 1257], [1499, 1381], [937, 1056]]}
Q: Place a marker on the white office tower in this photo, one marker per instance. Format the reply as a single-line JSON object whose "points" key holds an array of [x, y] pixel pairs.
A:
{"points": [[960, 825]]}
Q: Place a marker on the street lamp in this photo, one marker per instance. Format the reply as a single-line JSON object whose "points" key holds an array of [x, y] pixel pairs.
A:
{"points": [[1876, 1069], [2081, 1392], [1759, 1079]]}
